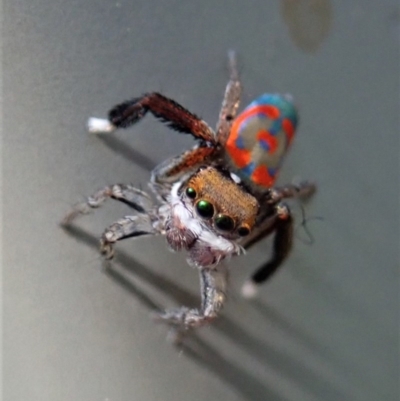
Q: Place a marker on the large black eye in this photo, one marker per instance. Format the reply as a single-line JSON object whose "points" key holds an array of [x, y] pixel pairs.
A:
{"points": [[191, 192], [224, 222], [205, 209], [243, 231]]}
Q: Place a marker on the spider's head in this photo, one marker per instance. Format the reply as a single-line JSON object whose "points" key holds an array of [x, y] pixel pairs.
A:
{"points": [[220, 203], [209, 213]]}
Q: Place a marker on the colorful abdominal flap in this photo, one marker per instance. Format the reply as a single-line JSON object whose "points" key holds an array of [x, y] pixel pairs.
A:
{"points": [[260, 137]]}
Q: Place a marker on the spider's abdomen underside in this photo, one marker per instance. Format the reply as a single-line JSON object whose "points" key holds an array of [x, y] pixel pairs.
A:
{"points": [[260, 137]]}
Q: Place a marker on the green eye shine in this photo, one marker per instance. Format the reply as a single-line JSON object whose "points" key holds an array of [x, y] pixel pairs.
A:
{"points": [[205, 209], [224, 222], [243, 231], [191, 192]]}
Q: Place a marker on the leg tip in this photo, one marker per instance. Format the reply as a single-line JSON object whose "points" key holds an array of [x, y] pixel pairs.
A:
{"points": [[249, 290], [175, 337], [231, 54], [99, 125], [68, 219], [289, 97]]}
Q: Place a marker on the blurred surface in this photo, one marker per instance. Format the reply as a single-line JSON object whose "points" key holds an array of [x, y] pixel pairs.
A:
{"points": [[326, 326]]}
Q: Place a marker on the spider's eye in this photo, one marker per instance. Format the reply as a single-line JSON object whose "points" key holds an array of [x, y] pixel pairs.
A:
{"points": [[243, 231], [224, 222], [191, 192], [205, 209]]}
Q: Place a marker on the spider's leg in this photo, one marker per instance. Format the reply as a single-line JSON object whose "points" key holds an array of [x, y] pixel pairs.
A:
{"points": [[231, 101], [213, 295], [163, 108], [303, 190], [133, 197], [127, 227], [280, 223], [282, 226], [171, 170]]}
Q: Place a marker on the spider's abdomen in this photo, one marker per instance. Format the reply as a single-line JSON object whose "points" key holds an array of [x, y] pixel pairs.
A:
{"points": [[260, 137]]}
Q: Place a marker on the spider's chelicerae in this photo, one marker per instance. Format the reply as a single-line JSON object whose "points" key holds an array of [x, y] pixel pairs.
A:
{"points": [[215, 200]]}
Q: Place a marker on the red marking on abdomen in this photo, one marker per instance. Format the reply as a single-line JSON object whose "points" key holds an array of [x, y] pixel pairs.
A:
{"points": [[241, 157], [262, 177], [272, 142], [271, 112], [288, 128]]}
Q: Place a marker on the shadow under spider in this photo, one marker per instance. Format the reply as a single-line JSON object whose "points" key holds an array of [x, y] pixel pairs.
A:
{"points": [[127, 152], [131, 265], [204, 354]]}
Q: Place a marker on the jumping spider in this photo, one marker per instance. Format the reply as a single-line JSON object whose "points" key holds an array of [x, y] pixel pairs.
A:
{"points": [[214, 200]]}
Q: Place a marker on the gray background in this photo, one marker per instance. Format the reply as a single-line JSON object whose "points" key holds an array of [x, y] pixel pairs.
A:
{"points": [[325, 328]]}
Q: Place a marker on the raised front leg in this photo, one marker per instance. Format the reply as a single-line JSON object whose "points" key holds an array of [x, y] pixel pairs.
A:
{"points": [[231, 100], [213, 295], [131, 196], [163, 108]]}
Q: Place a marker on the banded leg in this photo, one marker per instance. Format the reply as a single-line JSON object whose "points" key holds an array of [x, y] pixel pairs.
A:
{"points": [[282, 226], [231, 101], [131, 196], [127, 227], [213, 295], [163, 108]]}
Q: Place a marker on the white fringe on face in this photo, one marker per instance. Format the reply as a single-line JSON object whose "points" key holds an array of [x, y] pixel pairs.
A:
{"points": [[99, 125], [194, 224]]}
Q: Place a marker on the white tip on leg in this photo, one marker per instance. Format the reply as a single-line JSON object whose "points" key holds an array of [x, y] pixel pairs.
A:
{"points": [[232, 56], [99, 125], [289, 97], [249, 290]]}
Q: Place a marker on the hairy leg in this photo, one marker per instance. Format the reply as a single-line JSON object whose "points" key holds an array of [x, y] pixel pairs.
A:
{"points": [[282, 226], [131, 196], [167, 110], [171, 170], [127, 227], [231, 101], [213, 295]]}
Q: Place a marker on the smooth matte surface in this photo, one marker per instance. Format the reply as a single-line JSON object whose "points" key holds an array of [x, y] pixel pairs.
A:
{"points": [[326, 326]]}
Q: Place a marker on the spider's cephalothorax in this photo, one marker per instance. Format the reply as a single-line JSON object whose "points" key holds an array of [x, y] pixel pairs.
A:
{"points": [[214, 200], [208, 214]]}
